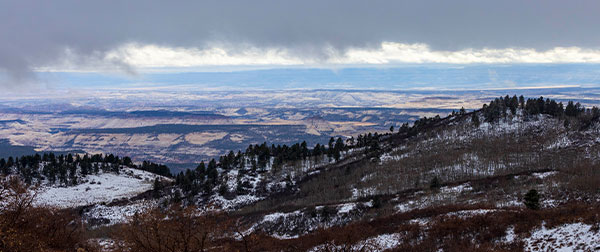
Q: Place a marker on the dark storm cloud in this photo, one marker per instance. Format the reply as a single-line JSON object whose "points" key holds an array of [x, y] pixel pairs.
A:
{"points": [[36, 33]]}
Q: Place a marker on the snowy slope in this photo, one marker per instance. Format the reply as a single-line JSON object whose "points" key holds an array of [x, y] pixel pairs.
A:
{"points": [[568, 237], [117, 214], [104, 187]]}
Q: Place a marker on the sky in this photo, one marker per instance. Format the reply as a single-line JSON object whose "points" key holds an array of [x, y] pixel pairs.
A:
{"points": [[135, 40]]}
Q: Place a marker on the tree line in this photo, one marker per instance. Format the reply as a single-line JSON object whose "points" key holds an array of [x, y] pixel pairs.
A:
{"points": [[575, 115], [70, 169], [255, 159]]}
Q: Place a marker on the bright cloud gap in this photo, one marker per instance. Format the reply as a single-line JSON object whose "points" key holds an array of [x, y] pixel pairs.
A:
{"points": [[150, 56]]}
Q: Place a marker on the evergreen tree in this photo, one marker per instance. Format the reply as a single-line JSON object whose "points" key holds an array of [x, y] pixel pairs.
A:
{"points": [[304, 148], [330, 150], [532, 199], [10, 162], [572, 109], [374, 148], [4, 167], [475, 119], [404, 128], [435, 183], [177, 196], [338, 148], [157, 187], [521, 102], [223, 189], [201, 169], [73, 174], [212, 173], [377, 202], [127, 162], [62, 173], [317, 150], [84, 168], [115, 168]]}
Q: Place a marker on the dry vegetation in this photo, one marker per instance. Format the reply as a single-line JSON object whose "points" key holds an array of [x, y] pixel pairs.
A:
{"points": [[485, 232], [24, 227], [173, 229]]}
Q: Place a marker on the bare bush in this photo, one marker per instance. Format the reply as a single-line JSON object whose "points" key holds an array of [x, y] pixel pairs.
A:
{"points": [[169, 230], [25, 227]]}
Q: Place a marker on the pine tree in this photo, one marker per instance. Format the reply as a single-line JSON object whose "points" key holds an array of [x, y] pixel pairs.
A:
{"points": [[435, 183], [304, 148], [4, 167], [212, 172], [522, 102], [201, 169], [330, 150], [375, 148], [127, 161], [532, 200], [317, 150], [572, 109], [475, 119], [156, 188], [338, 148], [115, 168], [84, 168], [10, 162], [177, 196], [223, 189]]}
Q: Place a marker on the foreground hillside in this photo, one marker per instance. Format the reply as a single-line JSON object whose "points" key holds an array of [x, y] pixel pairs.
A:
{"points": [[515, 175]]}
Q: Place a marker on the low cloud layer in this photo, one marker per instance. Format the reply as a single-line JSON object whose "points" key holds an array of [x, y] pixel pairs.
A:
{"points": [[119, 34], [153, 57]]}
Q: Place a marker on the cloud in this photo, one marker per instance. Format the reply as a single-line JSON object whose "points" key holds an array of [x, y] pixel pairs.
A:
{"points": [[152, 57], [390, 52], [93, 34]]}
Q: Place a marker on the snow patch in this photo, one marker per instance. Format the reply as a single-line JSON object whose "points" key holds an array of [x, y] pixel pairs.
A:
{"points": [[104, 187], [542, 175], [118, 214], [381, 242], [220, 203], [346, 208], [568, 237], [457, 189], [470, 213]]}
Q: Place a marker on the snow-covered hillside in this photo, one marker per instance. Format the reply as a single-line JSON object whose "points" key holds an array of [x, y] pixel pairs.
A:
{"points": [[568, 237], [95, 189], [518, 181]]}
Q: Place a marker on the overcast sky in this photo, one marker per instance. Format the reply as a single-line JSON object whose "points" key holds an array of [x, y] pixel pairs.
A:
{"points": [[131, 36]]}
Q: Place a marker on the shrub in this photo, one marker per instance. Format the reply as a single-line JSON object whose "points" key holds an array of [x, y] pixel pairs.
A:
{"points": [[172, 229], [532, 200], [435, 183], [377, 201], [24, 227]]}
